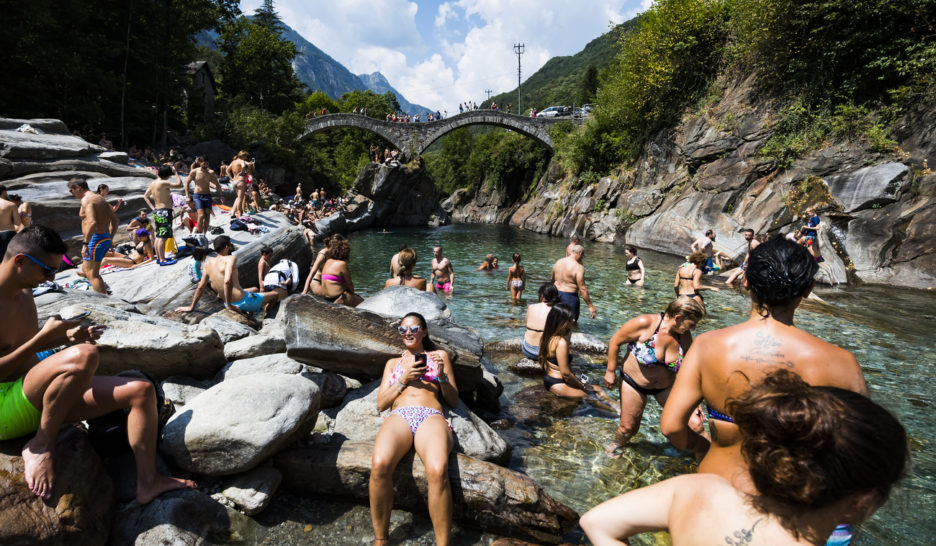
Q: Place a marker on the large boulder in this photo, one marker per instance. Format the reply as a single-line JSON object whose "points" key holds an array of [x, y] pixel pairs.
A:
{"points": [[485, 495], [81, 508], [236, 424], [155, 345], [16, 145], [228, 327], [867, 186], [397, 301], [183, 518], [358, 420], [332, 386], [253, 346], [358, 343]]}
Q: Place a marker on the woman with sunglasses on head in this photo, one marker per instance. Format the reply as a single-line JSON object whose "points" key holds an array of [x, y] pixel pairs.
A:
{"points": [[413, 386]]}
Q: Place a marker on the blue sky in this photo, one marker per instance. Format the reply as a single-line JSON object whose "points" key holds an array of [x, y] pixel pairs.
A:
{"points": [[441, 53]]}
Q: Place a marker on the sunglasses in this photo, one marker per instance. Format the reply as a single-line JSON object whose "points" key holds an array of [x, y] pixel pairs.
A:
{"points": [[49, 271], [411, 329]]}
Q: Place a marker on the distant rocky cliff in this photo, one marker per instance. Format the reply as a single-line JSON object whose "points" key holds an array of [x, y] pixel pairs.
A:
{"points": [[707, 173]]}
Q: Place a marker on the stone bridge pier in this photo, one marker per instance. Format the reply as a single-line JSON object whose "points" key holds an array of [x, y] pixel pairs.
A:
{"points": [[413, 138]]}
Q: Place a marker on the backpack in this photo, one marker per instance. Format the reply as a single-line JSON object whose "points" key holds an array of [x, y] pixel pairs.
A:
{"points": [[237, 225], [108, 433]]}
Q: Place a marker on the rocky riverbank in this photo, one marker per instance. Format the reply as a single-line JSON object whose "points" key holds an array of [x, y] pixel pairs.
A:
{"points": [[707, 172]]}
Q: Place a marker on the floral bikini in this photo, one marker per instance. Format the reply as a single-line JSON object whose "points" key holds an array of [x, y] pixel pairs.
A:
{"points": [[415, 415]]}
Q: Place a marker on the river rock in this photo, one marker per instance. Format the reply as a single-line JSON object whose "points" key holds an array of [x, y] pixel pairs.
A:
{"points": [[526, 367], [15, 145], [358, 343], [52, 303], [332, 386], [234, 425], [867, 186], [251, 346], [535, 406], [253, 491], [154, 345], [485, 495], [229, 325], [183, 518], [181, 390], [579, 343], [397, 301], [358, 420], [82, 504], [116, 157]]}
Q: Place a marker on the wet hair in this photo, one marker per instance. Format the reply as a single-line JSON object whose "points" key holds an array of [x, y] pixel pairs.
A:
{"points": [[698, 259], [575, 239], [709, 232], [102, 188], [428, 344], [2, 189], [164, 172], [686, 307], [338, 249], [489, 258], [779, 271], [516, 258], [266, 250], [809, 447], [559, 319], [14, 198], [221, 242], [747, 230], [407, 259], [403, 246], [78, 183], [143, 210], [199, 253], [632, 249], [36, 239], [548, 293]]}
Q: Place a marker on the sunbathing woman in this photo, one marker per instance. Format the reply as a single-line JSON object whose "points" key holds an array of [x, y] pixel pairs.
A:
{"points": [[337, 286], [313, 282], [133, 258], [414, 385]]}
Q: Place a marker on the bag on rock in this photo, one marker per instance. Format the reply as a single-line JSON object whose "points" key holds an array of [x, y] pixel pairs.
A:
{"points": [[108, 433]]}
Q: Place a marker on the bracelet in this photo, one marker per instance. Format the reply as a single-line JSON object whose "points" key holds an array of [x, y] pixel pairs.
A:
{"points": [[443, 378], [401, 384]]}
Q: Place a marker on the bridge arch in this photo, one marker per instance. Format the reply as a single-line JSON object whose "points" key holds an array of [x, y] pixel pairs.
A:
{"points": [[412, 139]]}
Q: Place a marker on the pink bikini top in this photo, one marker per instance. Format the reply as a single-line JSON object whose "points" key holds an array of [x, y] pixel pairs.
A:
{"points": [[432, 370]]}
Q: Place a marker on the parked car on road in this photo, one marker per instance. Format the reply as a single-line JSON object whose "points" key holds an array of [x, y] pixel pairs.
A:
{"points": [[554, 111]]}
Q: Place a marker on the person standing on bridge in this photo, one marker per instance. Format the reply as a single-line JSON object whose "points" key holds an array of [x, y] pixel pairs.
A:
{"points": [[461, 109]]}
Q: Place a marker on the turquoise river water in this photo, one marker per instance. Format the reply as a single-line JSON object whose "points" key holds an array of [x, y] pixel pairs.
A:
{"points": [[890, 330]]}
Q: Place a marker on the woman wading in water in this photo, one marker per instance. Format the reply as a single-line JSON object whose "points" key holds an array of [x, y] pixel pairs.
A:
{"points": [[516, 279], [689, 277], [407, 259], [414, 385]]}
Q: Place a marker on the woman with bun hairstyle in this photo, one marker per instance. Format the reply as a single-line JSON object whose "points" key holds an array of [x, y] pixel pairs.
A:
{"points": [[405, 277], [816, 456], [536, 319]]}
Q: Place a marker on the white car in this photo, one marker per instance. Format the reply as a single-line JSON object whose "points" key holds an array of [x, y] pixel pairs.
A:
{"points": [[550, 112]]}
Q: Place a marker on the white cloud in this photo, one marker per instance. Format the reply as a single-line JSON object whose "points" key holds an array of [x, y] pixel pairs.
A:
{"points": [[466, 46]]}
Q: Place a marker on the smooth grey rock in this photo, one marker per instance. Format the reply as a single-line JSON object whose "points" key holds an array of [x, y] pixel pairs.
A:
{"points": [[233, 426], [252, 346], [332, 386], [579, 343], [181, 389], [155, 345], [867, 186], [116, 157], [397, 301], [48, 126], [52, 303], [253, 491], [15, 145], [182, 518], [526, 367], [358, 420], [227, 329]]}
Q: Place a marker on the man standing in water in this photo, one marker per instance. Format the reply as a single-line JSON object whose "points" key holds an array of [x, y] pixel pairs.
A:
{"points": [[443, 275], [159, 190], [42, 387], [205, 179], [569, 276], [99, 225], [573, 240], [221, 272], [9, 217]]}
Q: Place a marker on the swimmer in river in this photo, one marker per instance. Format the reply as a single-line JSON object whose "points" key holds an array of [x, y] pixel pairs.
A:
{"points": [[443, 274], [569, 275], [516, 278], [688, 280], [487, 264], [634, 266]]}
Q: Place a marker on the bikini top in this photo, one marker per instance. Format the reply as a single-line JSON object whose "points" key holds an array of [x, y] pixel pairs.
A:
{"points": [[645, 351], [333, 278], [433, 367], [632, 266], [689, 278]]}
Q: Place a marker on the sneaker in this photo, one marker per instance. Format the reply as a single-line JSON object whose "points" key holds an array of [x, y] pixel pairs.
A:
{"points": [[166, 262]]}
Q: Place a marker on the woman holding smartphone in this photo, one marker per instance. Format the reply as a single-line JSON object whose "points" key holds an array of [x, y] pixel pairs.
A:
{"points": [[414, 386]]}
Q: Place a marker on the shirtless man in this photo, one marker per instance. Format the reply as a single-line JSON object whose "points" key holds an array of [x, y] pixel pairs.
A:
{"points": [[43, 388], [568, 274], [204, 179], [9, 218], [443, 275], [395, 266], [221, 273], [159, 191], [573, 240], [23, 211], [751, 245], [722, 364], [99, 225]]}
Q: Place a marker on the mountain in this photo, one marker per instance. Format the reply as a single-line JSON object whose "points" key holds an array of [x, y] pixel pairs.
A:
{"points": [[377, 83], [558, 81]]}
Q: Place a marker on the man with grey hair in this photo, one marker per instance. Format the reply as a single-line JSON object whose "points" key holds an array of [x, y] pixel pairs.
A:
{"points": [[568, 274]]}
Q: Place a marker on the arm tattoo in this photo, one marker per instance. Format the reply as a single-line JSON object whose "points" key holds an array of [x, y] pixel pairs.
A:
{"points": [[742, 537]]}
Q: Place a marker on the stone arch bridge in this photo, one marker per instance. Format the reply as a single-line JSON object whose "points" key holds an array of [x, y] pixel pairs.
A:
{"points": [[413, 138]]}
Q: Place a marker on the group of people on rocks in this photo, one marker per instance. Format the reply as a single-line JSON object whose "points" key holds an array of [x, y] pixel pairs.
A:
{"points": [[385, 156]]}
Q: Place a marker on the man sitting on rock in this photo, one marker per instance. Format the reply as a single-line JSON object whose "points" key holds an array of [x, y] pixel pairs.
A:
{"points": [[44, 385], [221, 273]]}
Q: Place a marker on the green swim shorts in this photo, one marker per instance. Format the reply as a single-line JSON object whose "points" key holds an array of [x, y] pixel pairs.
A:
{"points": [[18, 417]]}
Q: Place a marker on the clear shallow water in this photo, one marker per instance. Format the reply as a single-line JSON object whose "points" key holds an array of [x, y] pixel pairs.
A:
{"points": [[890, 331]]}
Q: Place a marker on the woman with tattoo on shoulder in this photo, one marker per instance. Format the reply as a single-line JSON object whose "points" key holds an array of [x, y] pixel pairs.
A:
{"points": [[817, 456]]}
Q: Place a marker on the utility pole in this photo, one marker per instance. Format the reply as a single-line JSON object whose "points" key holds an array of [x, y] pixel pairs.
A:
{"points": [[488, 91], [518, 49]]}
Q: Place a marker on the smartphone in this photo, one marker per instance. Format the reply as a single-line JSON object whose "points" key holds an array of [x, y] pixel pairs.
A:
{"points": [[80, 316], [420, 360], [584, 379]]}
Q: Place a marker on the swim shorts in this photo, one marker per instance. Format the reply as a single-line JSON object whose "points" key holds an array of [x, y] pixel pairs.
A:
{"points": [[98, 246], [251, 303], [810, 240], [202, 201], [444, 286], [18, 417], [162, 220], [572, 300], [5, 237]]}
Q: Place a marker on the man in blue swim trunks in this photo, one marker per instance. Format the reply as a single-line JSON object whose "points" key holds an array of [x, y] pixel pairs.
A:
{"points": [[99, 225], [569, 276], [204, 179], [44, 385], [221, 273]]}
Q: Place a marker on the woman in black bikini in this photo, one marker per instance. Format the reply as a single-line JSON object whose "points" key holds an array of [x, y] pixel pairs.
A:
{"points": [[536, 319], [634, 266], [556, 362], [689, 278], [656, 344]]}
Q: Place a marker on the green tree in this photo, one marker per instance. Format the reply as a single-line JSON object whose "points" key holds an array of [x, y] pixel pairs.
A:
{"points": [[589, 87]]}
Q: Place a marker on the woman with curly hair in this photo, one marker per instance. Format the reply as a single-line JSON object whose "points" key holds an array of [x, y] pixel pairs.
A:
{"points": [[817, 456], [689, 277], [336, 277]]}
